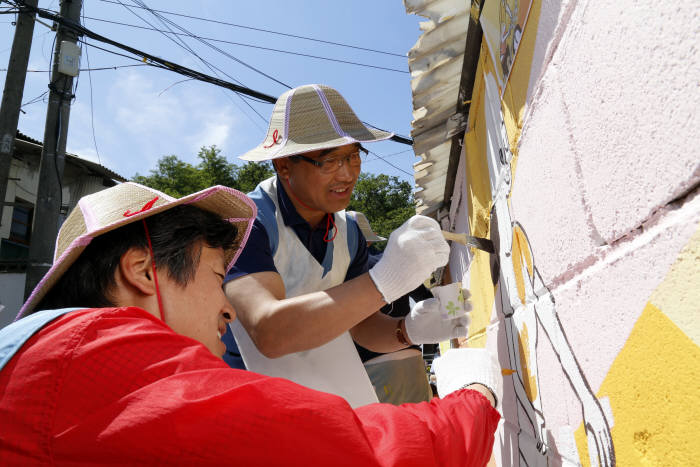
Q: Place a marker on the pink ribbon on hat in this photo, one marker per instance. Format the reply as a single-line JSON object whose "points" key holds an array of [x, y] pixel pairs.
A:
{"points": [[145, 207], [275, 140]]}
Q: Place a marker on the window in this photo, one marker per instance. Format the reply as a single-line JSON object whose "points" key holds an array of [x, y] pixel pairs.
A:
{"points": [[21, 228]]}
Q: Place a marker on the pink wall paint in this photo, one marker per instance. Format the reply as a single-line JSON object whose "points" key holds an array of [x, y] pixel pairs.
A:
{"points": [[606, 188]]}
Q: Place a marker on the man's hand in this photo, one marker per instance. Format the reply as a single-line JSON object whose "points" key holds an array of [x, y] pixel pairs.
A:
{"points": [[425, 324], [413, 252], [459, 368]]}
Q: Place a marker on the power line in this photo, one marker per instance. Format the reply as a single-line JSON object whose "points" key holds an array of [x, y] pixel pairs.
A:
{"points": [[242, 44], [89, 69], [393, 154], [92, 114], [151, 59], [226, 54], [161, 63], [205, 62], [382, 159], [339, 44], [35, 99]]}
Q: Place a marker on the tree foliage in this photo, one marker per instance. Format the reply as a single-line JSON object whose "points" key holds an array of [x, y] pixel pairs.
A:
{"points": [[178, 178], [385, 200]]}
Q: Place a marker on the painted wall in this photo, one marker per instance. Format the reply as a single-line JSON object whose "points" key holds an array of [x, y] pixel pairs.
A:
{"points": [[581, 163]]}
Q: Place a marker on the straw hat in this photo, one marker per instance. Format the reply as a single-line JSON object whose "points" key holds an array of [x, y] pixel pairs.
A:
{"points": [[109, 209], [364, 226], [310, 118]]}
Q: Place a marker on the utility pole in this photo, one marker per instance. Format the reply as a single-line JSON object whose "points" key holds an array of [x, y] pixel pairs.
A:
{"points": [[12, 94], [53, 154]]}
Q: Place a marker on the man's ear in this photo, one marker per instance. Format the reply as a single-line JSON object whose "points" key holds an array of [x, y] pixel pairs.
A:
{"points": [[282, 167], [136, 270]]}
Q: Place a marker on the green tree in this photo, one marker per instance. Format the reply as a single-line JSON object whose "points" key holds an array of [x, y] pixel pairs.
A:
{"points": [[386, 201], [250, 174], [172, 176], [178, 178], [214, 168]]}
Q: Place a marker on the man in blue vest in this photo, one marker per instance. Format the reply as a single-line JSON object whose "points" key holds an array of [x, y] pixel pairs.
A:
{"points": [[302, 287]]}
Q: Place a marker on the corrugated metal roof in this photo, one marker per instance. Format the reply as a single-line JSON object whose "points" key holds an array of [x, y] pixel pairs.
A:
{"points": [[436, 65], [92, 167]]}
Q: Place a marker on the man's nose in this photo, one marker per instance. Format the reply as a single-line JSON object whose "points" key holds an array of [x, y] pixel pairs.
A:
{"points": [[345, 171]]}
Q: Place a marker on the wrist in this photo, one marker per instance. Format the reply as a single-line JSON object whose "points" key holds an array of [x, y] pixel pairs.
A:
{"points": [[483, 390], [401, 334]]}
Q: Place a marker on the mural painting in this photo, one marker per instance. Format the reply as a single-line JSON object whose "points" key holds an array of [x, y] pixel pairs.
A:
{"points": [[576, 164], [523, 301], [598, 340], [503, 22]]}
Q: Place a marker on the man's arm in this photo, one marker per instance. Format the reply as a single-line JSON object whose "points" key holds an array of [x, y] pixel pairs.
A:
{"points": [[279, 325], [378, 333]]}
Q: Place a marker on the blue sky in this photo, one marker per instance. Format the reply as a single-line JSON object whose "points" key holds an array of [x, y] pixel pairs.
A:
{"points": [[142, 113]]}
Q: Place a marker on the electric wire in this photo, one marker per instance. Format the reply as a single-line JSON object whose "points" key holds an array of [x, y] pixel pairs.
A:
{"points": [[34, 100], [393, 154], [165, 20], [339, 44], [149, 58], [161, 63], [92, 113], [242, 44], [386, 161], [211, 67], [208, 64], [114, 67], [214, 70]]}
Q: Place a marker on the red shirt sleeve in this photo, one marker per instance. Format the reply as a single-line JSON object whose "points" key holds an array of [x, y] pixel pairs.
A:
{"points": [[119, 386]]}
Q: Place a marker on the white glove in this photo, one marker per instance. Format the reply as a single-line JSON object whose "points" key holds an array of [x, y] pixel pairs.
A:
{"points": [[412, 253], [461, 367], [425, 324]]}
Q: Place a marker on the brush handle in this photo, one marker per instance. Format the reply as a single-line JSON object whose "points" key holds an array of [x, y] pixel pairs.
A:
{"points": [[455, 237], [481, 243]]}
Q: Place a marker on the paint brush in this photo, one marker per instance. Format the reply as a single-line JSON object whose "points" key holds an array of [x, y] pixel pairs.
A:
{"points": [[477, 242]]}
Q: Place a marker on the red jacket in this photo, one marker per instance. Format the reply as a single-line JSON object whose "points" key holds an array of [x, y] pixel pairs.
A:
{"points": [[118, 386]]}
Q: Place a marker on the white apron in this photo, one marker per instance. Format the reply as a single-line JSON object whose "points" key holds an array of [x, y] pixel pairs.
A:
{"points": [[334, 367]]}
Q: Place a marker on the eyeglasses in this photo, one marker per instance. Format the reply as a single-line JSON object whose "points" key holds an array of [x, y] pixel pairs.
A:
{"points": [[332, 164]]}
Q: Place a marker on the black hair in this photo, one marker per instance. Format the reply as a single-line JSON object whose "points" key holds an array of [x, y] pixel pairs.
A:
{"points": [[177, 236]]}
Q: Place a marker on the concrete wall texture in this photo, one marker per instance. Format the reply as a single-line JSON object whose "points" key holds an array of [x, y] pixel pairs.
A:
{"points": [[581, 163]]}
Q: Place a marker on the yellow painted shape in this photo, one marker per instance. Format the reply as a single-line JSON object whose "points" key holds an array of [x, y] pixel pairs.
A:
{"points": [[654, 393], [515, 94], [529, 380], [482, 299], [479, 206], [678, 295], [477, 170], [520, 251]]}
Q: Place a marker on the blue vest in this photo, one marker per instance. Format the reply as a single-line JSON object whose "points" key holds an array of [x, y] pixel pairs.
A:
{"points": [[13, 336]]}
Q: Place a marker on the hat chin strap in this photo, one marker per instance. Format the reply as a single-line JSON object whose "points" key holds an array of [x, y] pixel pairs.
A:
{"points": [[155, 276], [330, 220]]}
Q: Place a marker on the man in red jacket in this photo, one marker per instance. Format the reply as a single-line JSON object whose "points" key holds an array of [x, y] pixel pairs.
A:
{"points": [[123, 365]]}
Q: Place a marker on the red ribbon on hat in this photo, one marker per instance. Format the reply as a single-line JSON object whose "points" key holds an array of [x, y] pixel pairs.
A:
{"points": [[275, 135], [145, 207]]}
